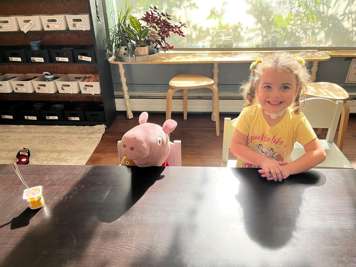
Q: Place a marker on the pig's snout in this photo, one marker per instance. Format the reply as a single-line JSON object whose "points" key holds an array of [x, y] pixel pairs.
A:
{"points": [[135, 148]]}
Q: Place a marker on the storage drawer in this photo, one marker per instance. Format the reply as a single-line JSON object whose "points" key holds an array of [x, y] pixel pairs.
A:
{"points": [[39, 56], [73, 112], [53, 112], [95, 116], [84, 55], [8, 24], [8, 111], [54, 23], [95, 113], [90, 85], [15, 55], [29, 23], [69, 84], [5, 85], [32, 111], [78, 22], [61, 55], [2, 55], [41, 85], [23, 84]]}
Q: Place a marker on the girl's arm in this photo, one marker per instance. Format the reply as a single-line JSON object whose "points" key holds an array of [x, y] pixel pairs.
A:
{"points": [[314, 154], [240, 149], [268, 166]]}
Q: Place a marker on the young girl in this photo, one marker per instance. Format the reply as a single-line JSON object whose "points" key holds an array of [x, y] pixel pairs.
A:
{"points": [[270, 124]]}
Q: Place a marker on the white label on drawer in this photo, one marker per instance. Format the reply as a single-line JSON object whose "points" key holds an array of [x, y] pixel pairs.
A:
{"points": [[37, 59], [31, 118], [62, 59], [84, 58], [51, 117], [73, 118], [16, 59], [8, 117]]}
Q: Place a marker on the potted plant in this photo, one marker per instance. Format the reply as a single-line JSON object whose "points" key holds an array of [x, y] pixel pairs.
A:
{"points": [[132, 34], [161, 26], [120, 43], [139, 34]]}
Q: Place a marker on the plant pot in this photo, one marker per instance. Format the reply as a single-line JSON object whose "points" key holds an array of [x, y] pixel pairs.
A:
{"points": [[153, 50], [141, 51], [123, 51]]}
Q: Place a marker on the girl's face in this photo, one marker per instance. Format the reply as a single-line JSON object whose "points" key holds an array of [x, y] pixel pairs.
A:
{"points": [[276, 90]]}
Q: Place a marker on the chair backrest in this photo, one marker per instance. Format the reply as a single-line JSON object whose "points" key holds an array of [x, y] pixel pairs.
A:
{"points": [[323, 113], [227, 136], [174, 157], [175, 154]]}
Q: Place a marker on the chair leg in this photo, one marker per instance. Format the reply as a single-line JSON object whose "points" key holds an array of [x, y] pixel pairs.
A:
{"points": [[344, 121], [212, 104], [185, 103], [215, 108], [169, 102]]}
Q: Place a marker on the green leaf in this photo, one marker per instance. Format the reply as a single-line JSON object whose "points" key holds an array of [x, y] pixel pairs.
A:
{"points": [[145, 33], [135, 23]]}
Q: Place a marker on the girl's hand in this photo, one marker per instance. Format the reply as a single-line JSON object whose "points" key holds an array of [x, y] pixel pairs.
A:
{"points": [[274, 170]]}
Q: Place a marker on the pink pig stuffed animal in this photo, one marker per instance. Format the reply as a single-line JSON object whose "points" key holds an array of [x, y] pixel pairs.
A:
{"points": [[147, 144]]}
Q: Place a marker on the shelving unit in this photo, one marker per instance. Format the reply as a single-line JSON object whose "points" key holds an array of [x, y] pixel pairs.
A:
{"points": [[95, 38]]}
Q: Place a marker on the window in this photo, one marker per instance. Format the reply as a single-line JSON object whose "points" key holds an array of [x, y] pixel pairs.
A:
{"points": [[259, 23]]}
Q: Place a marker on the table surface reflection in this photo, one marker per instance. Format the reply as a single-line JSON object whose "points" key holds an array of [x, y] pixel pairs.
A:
{"points": [[179, 216]]}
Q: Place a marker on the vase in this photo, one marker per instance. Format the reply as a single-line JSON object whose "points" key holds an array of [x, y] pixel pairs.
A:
{"points": [[123, 51], [141, 51], [152, 50]]}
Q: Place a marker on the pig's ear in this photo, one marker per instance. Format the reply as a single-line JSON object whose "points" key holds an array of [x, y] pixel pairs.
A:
{"points": [[143, 117], [169, 126]]}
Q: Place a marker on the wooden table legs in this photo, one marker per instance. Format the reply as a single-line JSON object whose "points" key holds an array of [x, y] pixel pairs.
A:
{"points": [[314, 71], [125, 90]]}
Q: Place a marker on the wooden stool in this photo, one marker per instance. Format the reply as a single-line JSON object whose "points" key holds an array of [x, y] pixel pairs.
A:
{"points": [[335, 92], [186, 82]]}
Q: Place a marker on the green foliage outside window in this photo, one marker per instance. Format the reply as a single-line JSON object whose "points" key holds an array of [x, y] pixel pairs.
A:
{"points": [[276, 23]]}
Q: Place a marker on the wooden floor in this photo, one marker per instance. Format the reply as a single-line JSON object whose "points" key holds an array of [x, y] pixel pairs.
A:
{"points": [[200, 146]]}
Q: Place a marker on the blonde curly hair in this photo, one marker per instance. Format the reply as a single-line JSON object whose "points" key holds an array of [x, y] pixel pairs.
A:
{"points": [[284, 61]]}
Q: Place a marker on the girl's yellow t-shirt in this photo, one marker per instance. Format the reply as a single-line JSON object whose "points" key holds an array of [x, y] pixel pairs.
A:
{"points": [[276, 141]]}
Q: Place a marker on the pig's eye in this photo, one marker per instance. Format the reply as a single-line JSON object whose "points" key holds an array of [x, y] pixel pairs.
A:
{"points": [[160, 140], [132, 148]]}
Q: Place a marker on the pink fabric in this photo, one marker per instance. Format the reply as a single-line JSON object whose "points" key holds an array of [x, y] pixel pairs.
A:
{"points": [[147, 144]]}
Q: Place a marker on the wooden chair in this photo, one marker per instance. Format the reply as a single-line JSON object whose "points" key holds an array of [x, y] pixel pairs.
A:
{"points": [[321, 113], [186, 82], [227, 136], [334, 92], [325, 114], [174, 157]]}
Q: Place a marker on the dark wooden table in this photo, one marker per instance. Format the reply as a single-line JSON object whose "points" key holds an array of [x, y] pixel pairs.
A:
{"points": [[184, 216]]}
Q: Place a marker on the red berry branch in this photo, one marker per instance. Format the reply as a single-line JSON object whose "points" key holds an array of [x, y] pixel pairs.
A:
{"points": [[161, 27]]}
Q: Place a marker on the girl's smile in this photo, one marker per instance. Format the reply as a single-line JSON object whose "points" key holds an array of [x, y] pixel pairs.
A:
{"points": [[276, 90]]}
